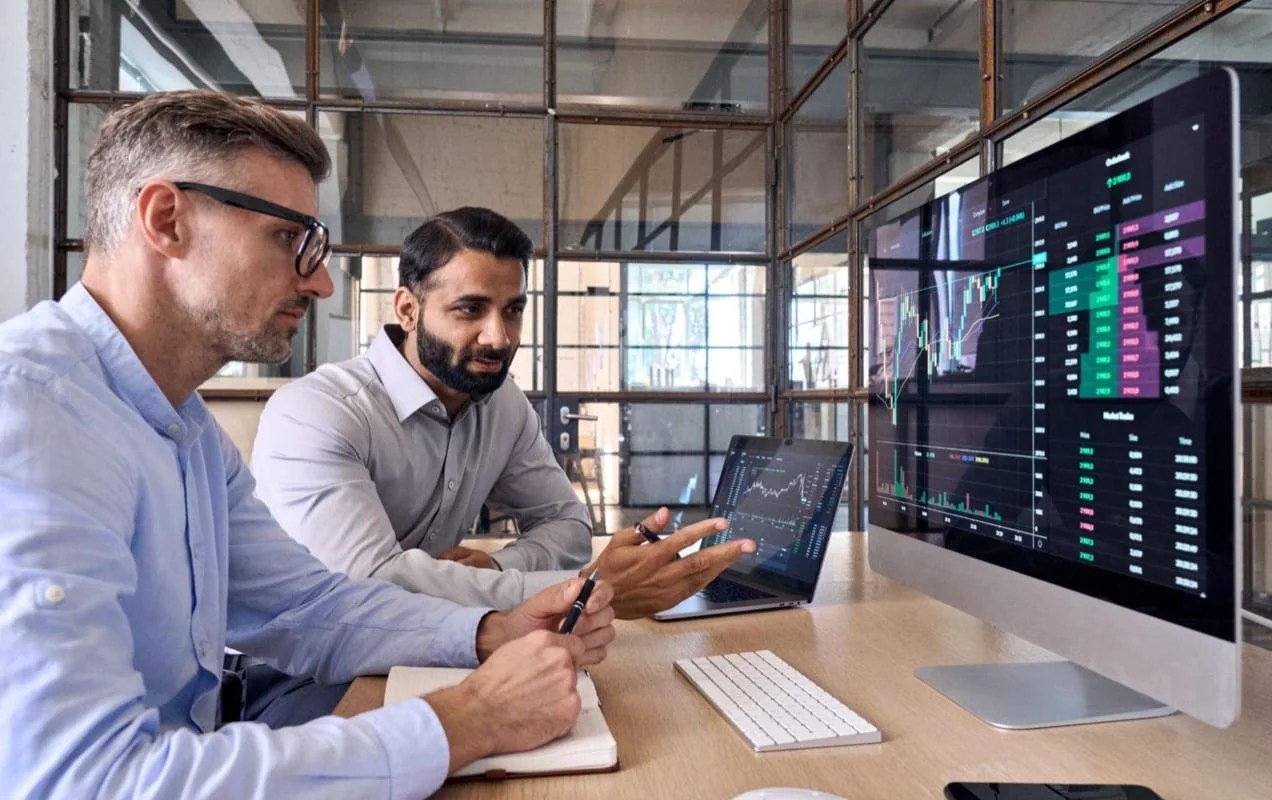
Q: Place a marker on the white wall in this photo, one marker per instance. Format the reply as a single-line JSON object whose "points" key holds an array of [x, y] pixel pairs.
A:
{"points": [[26, 155]]}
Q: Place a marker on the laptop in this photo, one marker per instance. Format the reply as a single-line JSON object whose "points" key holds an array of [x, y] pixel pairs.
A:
{"points": [[783, 494]]}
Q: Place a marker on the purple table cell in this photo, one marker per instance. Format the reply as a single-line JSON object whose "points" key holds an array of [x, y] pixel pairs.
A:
{"points": [[1162, 254], [1160, 220]]}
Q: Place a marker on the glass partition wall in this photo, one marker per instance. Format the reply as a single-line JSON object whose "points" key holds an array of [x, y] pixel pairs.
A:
{"points": [[698, 179]]}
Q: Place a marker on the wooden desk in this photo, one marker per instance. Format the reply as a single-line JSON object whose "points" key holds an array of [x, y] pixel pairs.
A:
{"points": [[861, 640]]}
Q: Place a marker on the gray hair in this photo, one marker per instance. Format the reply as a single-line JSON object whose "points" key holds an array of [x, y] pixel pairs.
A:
{"points": [[184, 135]]}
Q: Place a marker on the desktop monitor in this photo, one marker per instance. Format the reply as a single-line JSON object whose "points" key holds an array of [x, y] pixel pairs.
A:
{"points": [[1052, 438]]}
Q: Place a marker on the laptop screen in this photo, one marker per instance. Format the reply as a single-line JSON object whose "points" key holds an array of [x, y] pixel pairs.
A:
{"points": [[783, 493]]}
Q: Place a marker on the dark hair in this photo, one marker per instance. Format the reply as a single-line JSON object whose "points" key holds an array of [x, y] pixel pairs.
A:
{"points": [[184, 135], [430, 246]]}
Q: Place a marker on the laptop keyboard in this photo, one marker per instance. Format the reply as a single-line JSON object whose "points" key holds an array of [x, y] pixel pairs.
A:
{"points": [[725, 591], [773, 705]]}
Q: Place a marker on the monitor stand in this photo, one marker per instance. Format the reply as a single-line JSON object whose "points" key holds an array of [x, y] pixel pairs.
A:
{"points": [[1039, 694]]}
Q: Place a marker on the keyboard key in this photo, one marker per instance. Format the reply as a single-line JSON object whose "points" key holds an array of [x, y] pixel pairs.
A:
{"points": [[772, 704]]}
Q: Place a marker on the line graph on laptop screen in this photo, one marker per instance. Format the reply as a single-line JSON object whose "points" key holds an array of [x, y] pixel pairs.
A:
{"points": [[785, 501]]}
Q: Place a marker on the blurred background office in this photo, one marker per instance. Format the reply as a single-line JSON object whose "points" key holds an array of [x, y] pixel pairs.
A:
{"points": [[698, 178]]}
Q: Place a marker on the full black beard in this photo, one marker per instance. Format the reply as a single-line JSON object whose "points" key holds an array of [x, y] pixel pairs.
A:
{"points": [[439, 358]]}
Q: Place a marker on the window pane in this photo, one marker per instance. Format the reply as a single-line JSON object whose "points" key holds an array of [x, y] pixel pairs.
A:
{"points": [[666, 278], [725, 421], [666, 480], [82, 123], [817, 28], [670, 368], [641, 188], [1234, 40], [671, 321], [823, 270], [483, 50], [666, 427], [1260, 354], [394, 170], [820, 421], [587, 369], [736, 321], [1260, 226], [921, 70], [253, 49], [1258, 581], [590, 277], [664, 55], [377, 278], [337, 316], [736, 279], [735, 369], [819, 157], [1047, 41], [74, 267], [820, 316], [587, 320]]}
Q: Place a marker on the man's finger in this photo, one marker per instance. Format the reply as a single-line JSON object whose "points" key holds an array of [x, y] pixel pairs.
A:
{"points": [[595, 621], [601, 637], [711, 561], [654, 523], [691, 534], [602, 596], [572, 644]]}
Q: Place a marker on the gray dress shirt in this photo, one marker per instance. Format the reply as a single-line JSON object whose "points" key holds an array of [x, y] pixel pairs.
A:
{"points": [[360, 462]]}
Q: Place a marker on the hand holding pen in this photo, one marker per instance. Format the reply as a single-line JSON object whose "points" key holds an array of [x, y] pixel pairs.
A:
{"points": [[580, 603]]}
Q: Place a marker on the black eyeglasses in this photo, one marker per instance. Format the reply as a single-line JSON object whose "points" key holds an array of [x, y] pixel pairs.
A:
{"points": [[315, 245]]}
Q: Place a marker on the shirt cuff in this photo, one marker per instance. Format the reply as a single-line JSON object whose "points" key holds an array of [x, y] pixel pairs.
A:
{"points": [[455, 643], [415, 747], [509, 559]]}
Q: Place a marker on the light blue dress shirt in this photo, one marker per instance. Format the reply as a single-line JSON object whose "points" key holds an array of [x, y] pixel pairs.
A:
{"points": [[131, 552]]}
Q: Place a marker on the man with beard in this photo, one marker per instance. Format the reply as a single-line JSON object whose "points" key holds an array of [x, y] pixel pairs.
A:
{"points": [[380, 464]]}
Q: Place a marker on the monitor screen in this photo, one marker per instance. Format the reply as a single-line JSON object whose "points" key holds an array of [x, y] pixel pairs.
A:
{"points": [[1052, 364]]}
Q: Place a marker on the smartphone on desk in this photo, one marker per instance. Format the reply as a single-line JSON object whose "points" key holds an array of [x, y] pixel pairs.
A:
{"points": [[963, 790]]}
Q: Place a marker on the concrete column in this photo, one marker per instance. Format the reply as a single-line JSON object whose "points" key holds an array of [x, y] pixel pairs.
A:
{"points": [[26, 155]]}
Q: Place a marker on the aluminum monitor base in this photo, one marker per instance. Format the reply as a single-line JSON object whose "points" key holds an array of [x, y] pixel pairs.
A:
{"points": [[1040, 694]]}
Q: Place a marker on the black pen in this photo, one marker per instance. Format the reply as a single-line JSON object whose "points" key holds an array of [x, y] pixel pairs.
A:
{"points": [[576, 610], [648, 535]]}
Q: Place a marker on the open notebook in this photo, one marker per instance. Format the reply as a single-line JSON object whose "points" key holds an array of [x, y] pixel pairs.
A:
{"points": [[588, 747]]}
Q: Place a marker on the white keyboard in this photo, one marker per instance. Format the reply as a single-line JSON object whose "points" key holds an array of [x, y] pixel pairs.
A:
{"points": [[772, 704]]}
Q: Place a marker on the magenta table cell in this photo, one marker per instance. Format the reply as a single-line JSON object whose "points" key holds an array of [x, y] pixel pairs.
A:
{"points": [[1163, 254], [1142, 389]]}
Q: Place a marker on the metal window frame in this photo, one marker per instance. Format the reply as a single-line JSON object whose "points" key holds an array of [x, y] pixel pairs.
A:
{"points": [[784, 103]]}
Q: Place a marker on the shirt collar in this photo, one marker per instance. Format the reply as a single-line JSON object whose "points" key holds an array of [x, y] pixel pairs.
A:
{"points": [[128, 376], [408, 391]]}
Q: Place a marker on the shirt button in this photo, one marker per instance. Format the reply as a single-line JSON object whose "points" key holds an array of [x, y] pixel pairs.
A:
{"points": [[437, 409], [54, 594], [450, 485], [173, 428]]}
